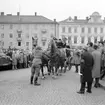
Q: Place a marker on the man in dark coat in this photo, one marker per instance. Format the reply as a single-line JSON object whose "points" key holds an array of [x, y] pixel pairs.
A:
{"points": [[86, 71]]}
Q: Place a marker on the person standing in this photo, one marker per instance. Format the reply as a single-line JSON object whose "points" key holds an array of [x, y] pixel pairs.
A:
{"points": [[86, 66], [90, 47], [36, 65], [77, 59], [96, 72], [14, 60]]}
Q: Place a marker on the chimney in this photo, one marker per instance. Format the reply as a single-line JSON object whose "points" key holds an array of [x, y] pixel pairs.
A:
{"points": [[87, 18], [75, 17], [35, 13], [18, 13], [2, 13], [54, 20]]}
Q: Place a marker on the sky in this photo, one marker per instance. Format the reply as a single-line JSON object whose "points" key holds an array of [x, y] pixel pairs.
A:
{"points": [[54, 9]]}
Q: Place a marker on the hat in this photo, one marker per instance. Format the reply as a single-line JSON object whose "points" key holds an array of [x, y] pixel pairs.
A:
{"points": [[95, 46]]}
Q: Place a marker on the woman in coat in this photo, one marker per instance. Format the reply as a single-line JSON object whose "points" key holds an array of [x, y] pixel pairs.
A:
{"points": [[97, 65], [76, 60]]}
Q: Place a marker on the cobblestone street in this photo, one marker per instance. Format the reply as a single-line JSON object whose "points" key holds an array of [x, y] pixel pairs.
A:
{"points": [[16, 90]]}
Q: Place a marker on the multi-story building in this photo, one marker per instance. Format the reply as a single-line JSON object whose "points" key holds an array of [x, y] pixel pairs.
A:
{"points": [[22, 31], [81, 31]]}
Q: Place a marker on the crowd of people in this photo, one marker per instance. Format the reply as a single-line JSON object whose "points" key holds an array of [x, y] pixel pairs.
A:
{"points": [[91, 60], [20, 58], [92, 66]]}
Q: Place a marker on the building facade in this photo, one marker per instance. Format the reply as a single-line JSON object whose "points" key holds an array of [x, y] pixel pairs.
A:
{"points": [[81, 31], [23, 31]]}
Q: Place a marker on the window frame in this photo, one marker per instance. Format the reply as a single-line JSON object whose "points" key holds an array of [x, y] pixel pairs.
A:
{"points": [[95, 29], [75, 29], [2, 35], [82, 30], [95, 40], [101, 29], [75, 41], [10, 35], [19, 42], [63, 29], [11, 26], [2, 26], [89, 30], [82, 39], [27, 43], [69, 30]]}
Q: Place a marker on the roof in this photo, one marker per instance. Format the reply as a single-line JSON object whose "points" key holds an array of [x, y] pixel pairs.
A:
{"points": [[25, 19], [73, 21], [80, 21], [88, 20]]}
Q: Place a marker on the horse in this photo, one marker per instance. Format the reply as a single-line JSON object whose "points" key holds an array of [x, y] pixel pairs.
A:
{"points": [[57, 58]]}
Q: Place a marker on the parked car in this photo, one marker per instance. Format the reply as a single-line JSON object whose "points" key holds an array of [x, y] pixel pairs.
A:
{"points": [[5, 62]]}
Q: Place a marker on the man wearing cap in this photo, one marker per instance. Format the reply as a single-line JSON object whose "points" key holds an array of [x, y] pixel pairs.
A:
{"points": [[36, 63], [86, 71], [90, 47]]}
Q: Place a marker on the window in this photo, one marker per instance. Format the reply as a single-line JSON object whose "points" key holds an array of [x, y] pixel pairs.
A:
{"points": [[27, 43], [83, 30], [101, 38], [95, 39], [75, 39], [82, 40], [75, 30], [89, 39], [101, 30], [95, 30], [19, 35], [27, 35], [11, 26], [63, 29], [10, 43], [27, 48], [2, 35], [43, 43], [11, 35], [69, 39], [2, 26], [69, 30], [2, 43], [19, 43], [89, 30]]}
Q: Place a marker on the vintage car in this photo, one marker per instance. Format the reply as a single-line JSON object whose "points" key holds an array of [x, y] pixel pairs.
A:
{"points": [[5, 62]]}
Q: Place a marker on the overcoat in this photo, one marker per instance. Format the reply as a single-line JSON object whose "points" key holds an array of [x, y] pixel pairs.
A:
{"points": [[76, 58], [97, 64], [86, 66]]}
